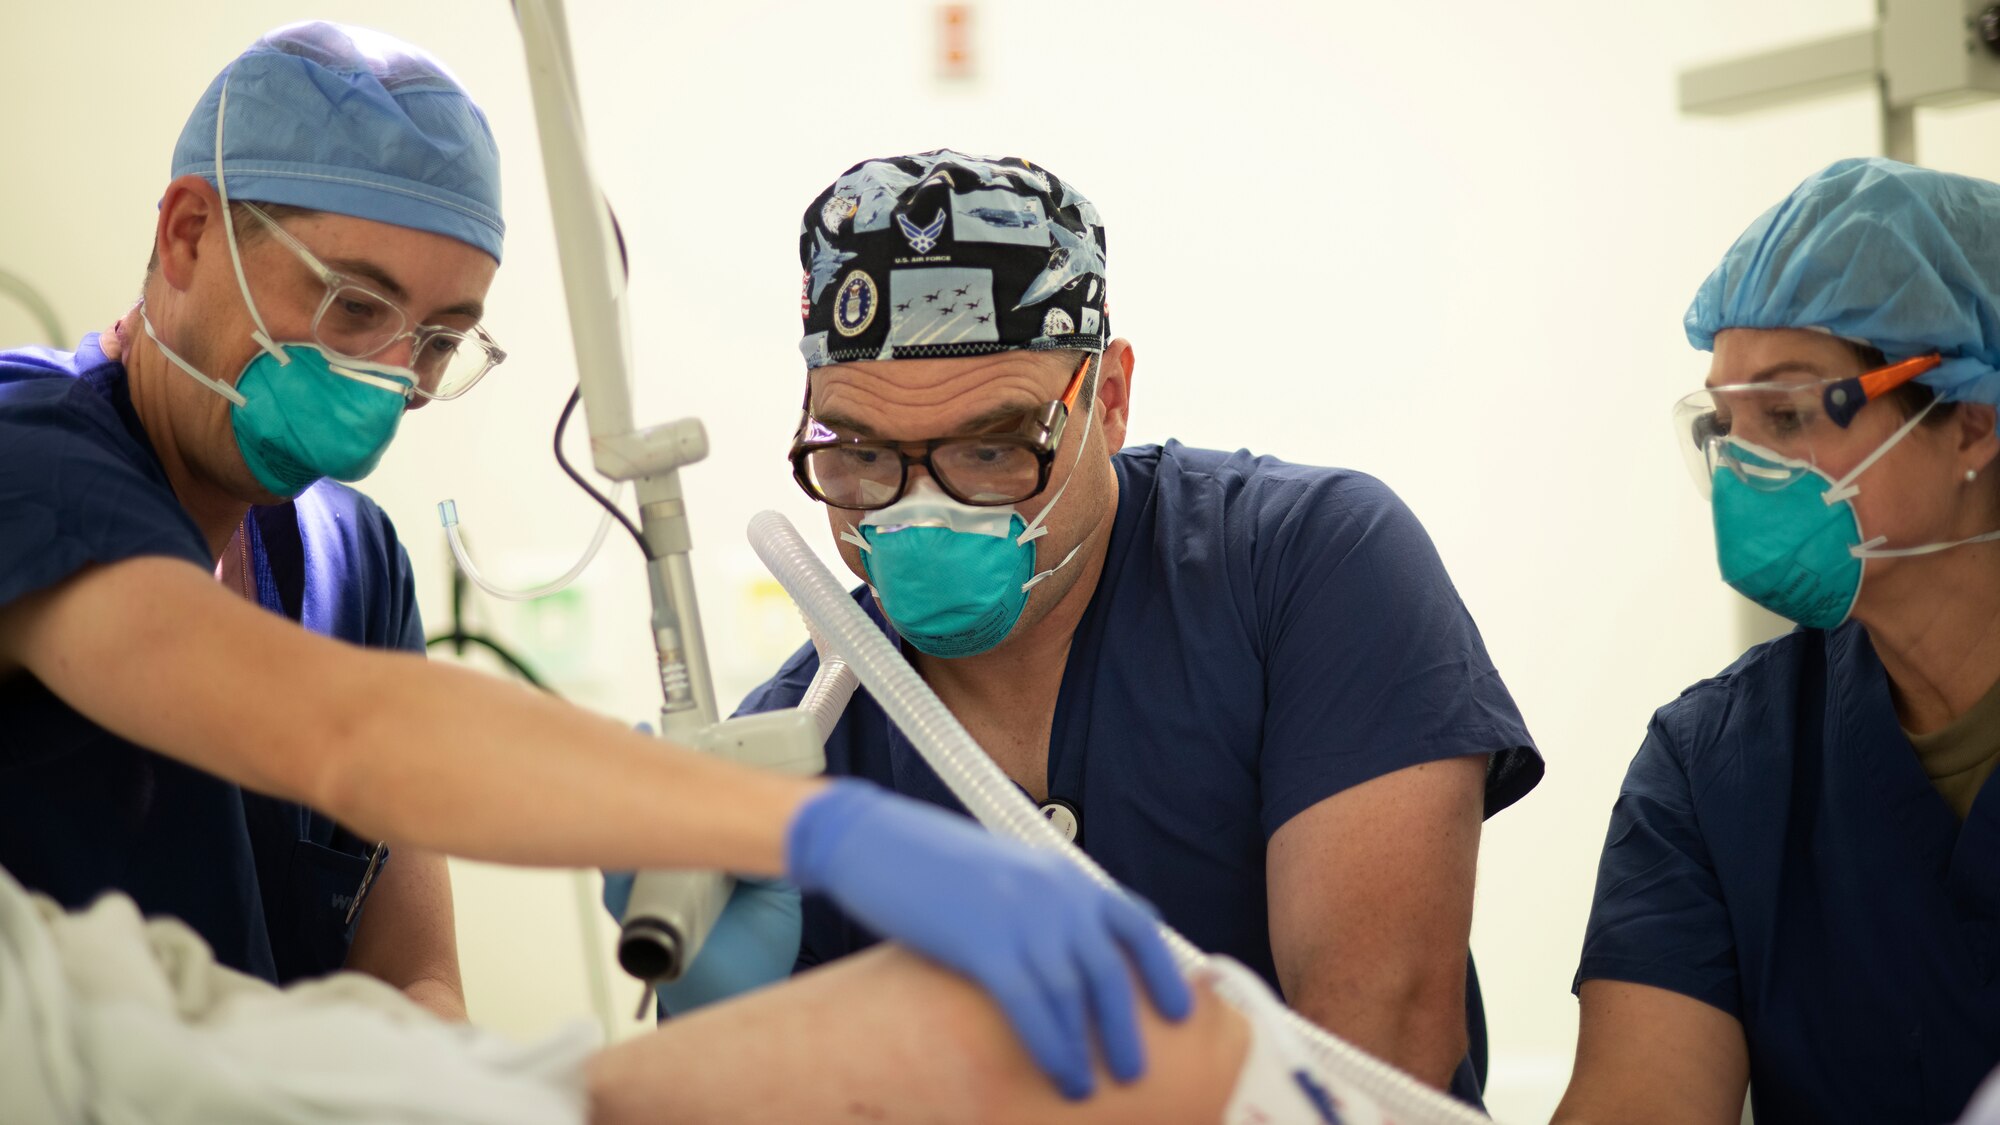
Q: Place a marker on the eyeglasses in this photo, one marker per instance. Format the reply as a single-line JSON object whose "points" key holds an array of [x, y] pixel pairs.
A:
{"points": [[1755, 429], [984, 470], [355, 322]]}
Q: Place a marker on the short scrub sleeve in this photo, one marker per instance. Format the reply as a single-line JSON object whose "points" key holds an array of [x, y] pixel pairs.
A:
{"points": [[358, 583], [1373, 662], [76, 489], [1658, 916]]}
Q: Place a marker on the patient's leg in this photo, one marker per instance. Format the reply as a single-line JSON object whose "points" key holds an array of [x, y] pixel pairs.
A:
{"points": [[888, 1037]]}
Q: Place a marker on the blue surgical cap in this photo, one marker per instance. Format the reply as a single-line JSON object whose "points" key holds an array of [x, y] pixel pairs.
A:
{"points": [[1901, 258], [351, 121]]}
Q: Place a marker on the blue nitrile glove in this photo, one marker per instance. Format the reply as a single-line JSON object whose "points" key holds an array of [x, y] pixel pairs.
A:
{"points": [[1048, 944], [754, 943]]}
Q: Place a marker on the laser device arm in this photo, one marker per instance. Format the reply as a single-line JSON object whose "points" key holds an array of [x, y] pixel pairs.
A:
{"points": [[670, 912]]}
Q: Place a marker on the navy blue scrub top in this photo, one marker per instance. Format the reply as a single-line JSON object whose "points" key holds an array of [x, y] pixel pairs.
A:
{"points": [[1777, 852], [1264, 636], [266, 882]]}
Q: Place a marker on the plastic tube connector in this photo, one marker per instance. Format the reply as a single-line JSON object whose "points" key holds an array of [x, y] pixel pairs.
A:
{"points": [[448, 516]]}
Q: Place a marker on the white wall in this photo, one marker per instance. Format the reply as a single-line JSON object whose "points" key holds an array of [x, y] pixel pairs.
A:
{"points": [[1449, 244]]}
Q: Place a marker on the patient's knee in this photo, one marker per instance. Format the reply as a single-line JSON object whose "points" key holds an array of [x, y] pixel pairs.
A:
{"points": [[1191, 1069]]}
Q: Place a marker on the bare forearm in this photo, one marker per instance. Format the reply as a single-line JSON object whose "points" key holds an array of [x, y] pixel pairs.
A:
{"points": [[1419, 1027], [508, 775], [443, 999], [1648, 1056], [394, 747], [1371, 911], [408, 936], [1631, 1100]]}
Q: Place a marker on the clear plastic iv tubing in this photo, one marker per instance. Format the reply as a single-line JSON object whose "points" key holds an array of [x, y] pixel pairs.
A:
{"points": [[448, 515], [997, 801]]}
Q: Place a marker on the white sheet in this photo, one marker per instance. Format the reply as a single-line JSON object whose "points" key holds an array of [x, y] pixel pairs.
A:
{"points": [[109, 1018]]}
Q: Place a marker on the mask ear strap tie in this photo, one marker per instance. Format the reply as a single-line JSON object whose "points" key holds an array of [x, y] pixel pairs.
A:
{"points": [[261, 334], [1035, 530], [1869, 549], [1037, 579], [1844, 489], [218, 386]]}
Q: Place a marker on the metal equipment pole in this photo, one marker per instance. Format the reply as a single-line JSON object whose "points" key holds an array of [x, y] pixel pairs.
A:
{"points": [[670, 912]]}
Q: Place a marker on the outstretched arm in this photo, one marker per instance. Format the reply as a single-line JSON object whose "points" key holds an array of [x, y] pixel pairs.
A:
{"points": [[445, 759], [421, 754]]}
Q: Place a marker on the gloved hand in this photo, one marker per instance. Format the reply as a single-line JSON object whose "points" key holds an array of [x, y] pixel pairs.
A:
{"points": [[1048, 944], [754, 943]]}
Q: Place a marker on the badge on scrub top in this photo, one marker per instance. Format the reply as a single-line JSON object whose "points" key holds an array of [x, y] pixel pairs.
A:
{"points": [[1065, 817]]}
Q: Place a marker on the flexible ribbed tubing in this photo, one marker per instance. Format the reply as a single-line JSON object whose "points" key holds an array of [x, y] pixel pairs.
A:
{"points": [[843, 630], [827, 695]]}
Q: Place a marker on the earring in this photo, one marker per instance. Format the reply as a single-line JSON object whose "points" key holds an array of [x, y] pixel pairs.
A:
{"points": [[1971, 475]]}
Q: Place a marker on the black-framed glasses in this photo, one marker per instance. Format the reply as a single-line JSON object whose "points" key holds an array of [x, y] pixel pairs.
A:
{"points": [[986, 470]]}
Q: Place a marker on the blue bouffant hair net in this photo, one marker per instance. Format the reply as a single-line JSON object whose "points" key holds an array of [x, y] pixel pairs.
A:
{"points": [[351, 121], [1902, 258]]}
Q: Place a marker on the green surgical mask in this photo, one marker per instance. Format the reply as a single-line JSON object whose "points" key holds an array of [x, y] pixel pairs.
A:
{"points": [[953, 578], [1792, 542], [300, 414], [1789, 549]]}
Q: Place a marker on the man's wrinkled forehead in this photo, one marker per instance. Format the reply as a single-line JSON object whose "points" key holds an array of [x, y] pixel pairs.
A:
{"points": [[941, 396]]}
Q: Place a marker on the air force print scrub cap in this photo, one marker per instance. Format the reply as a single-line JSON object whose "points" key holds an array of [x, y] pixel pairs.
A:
{"points": [[1905, 259], [348, 120], [944, 254]]}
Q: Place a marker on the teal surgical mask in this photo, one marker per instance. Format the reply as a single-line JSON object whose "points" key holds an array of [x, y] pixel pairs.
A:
{"points": [[1787, 536], [300, 414], [953, 578]]}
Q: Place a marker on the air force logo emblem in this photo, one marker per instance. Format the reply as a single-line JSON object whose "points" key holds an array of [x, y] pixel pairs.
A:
{"points": [[922, 239], [855, 308]]}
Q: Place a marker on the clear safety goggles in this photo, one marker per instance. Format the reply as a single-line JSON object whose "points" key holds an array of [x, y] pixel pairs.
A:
{"points": [[355, 322], [1769, 434]]}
